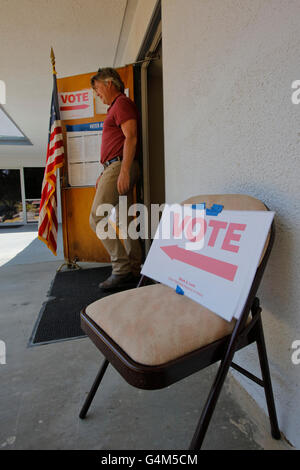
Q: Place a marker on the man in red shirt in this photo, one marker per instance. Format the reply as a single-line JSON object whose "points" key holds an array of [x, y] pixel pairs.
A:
{"points": [[118, 156]]}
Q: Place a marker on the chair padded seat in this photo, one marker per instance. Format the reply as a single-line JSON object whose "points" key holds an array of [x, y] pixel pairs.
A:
{"points": [[155, 325]]}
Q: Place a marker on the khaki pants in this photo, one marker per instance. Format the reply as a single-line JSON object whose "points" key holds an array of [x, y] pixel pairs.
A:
{"points": [[124, 259]]}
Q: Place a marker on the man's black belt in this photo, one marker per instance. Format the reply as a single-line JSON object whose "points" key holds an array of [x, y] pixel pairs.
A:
{"points": [[116, 159]]}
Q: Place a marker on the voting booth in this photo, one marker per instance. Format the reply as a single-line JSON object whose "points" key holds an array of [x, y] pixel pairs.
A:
{"points": [[208, 258], [82, 117]]}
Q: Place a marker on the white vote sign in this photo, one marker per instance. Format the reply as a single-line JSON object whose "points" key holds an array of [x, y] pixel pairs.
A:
{"points": [[76, 104], [218, 273]]}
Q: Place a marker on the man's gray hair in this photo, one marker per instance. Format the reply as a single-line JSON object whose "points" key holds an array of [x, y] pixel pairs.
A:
{"points": [[108, 74]]}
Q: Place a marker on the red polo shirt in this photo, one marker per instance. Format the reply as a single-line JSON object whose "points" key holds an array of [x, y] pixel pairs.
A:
{"points": [[121, 110]]}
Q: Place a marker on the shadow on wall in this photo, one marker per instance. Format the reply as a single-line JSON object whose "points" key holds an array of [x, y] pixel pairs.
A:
{"points": [[279, 279], [278, 283]]}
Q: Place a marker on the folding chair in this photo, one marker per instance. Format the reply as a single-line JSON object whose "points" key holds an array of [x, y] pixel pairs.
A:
{"points": [[154, 337]]}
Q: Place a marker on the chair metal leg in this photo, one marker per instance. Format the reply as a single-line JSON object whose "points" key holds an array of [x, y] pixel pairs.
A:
{"points": [[93, 390], [263, 359], [216, 387], [210, 405]]}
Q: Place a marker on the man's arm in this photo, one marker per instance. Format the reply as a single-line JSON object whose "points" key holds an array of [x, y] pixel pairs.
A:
{"points": [[98, 179], [129, 129]]}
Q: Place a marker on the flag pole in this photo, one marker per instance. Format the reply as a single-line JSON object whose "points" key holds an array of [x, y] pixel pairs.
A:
{"points": [[69, 264], [48, 223], [52, 56]]}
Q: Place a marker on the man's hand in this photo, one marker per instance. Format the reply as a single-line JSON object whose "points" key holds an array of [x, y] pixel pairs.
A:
{"points": [[123, 183]]}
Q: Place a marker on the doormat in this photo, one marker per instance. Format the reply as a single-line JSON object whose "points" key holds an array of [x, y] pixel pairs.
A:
{"points": [[59, 317]]}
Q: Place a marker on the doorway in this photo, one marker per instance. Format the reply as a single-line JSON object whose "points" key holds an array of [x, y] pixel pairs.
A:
{"points": [[152, 122], [156, 129]]}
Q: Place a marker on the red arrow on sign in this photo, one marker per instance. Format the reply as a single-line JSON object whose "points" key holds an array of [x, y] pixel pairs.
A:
{"points": [[71, 108], [210, 265]]}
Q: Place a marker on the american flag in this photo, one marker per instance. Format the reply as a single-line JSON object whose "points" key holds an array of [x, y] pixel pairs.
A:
{"points": [[47, 231]]}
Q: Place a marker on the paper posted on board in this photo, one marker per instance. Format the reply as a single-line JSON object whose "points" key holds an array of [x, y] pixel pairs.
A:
{"points": [[83, 146]]}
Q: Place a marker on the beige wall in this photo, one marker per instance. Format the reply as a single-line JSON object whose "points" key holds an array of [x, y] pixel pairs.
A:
{"points": [[230, 127]]}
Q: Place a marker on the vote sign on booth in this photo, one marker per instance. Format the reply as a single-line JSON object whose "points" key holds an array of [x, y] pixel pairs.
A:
{"points": [[76, 104], [211, 259]]}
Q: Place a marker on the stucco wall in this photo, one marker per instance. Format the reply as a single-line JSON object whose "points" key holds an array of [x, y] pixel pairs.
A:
{"points": [[231, 127]]}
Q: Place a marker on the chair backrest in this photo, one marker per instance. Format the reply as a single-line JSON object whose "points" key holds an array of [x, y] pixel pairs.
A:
{"points": [[233, 202]]}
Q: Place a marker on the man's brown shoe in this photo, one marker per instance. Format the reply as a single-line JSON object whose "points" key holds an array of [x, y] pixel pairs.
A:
{"points": [[116, 281]]}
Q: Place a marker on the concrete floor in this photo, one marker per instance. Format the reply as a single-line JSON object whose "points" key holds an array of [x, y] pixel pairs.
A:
{"points": [[43, 387]]}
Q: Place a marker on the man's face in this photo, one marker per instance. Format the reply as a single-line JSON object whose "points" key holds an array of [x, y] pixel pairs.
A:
{"points": [[103, 91]]}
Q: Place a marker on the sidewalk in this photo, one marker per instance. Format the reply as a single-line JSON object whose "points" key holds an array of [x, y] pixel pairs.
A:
{"points": [[43, 387], [20, 245]]}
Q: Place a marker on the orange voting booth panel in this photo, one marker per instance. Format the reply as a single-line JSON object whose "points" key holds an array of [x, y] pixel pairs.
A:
{"points": [[80, 242]]}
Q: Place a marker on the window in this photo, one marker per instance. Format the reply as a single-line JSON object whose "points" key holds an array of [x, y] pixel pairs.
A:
{"points": [[33, 179], [20, 195], [11, 207]]}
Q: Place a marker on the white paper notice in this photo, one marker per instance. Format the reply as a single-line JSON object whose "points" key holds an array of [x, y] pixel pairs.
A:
{"points": [[100, 107], [218, 275], [83, 174], [83, 146], [76, 104]]}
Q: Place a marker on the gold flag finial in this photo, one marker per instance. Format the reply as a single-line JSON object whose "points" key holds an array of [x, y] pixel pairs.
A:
{"points": [[53, 61]]}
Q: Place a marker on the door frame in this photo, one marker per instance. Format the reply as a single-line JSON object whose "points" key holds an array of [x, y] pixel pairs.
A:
{"points": [[153, 41]]}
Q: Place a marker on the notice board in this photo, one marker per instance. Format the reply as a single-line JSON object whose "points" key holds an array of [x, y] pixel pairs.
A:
{"points": [[82, 116]]}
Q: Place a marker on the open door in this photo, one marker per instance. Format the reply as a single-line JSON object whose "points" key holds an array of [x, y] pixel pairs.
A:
{"points": [[153, 126]]}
